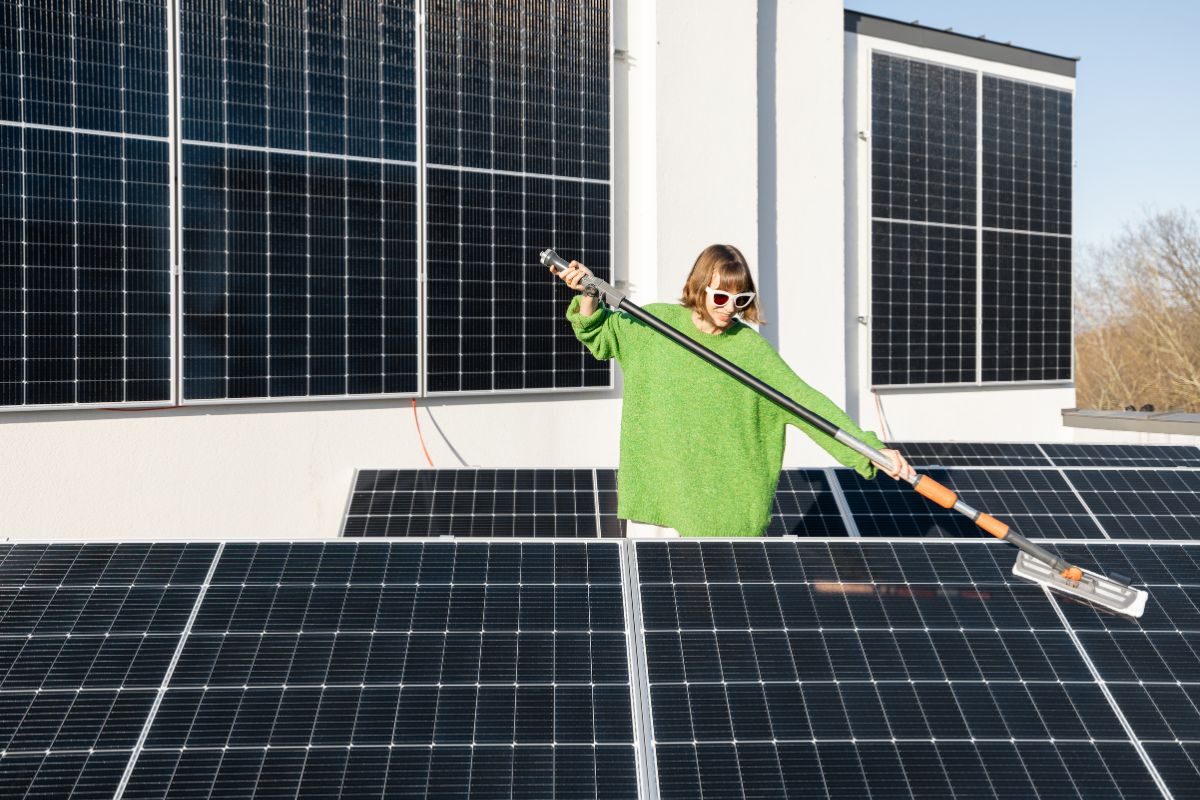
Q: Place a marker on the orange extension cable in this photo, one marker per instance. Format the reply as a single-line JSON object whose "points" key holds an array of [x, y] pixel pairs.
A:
{"points": [[419, 436]]}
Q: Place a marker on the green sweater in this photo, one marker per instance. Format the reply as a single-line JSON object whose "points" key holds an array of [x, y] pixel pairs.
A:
{"points": [[700, 452]]}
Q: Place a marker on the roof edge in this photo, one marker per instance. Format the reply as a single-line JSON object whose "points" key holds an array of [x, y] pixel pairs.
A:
{"points": [[975, 47], [1176, 422]]}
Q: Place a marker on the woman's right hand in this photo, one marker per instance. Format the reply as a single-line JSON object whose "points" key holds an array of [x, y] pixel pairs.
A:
{"points": [[573, 275]]}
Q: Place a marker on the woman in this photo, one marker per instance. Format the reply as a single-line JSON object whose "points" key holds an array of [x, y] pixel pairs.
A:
{"points": [[700, 452]]}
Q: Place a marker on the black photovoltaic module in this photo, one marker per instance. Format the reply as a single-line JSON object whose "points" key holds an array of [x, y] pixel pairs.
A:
{"points": [[909, 669], [517, 123], [87, 634], [85, 301], [299, 199], [544, 502], [435, 669]]}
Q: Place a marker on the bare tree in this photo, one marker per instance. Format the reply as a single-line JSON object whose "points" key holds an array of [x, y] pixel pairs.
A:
{"points": [[1137, 312]]}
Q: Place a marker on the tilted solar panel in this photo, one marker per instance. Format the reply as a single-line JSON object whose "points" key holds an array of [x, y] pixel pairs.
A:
{"points": [[87, 636], [911, 669], [1122, 455], [477, 502], [1036, 503], [972, 454], [426, 668]]}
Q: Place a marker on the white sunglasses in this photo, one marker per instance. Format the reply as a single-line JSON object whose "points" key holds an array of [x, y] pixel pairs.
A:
{"points": [[721, 297]]}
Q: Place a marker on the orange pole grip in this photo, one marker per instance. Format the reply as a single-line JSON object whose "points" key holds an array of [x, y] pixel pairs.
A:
{"points": [[992, 525], [939, 494]]}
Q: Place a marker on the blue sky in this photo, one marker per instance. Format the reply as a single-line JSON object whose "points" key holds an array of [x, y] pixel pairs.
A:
{"points": [[1137, 102]]}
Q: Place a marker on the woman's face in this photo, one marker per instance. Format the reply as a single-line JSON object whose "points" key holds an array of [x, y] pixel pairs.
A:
{"points": [[720, 316]]}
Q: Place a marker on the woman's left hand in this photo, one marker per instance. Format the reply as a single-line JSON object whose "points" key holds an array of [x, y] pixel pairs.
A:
{"points": [[903, 471]]}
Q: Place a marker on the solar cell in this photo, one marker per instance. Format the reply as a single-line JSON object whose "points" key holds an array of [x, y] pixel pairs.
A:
{"points": [[476, 502], [868, 668], [427, 666], [972, 454], [1037, 503]]}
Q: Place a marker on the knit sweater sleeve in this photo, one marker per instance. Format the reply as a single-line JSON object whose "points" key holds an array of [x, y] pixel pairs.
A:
{"points": [[604, 332], [776, 372]]}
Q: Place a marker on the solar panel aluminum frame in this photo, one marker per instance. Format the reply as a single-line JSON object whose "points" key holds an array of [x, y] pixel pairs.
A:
{"points": [[423, 296], [860, 49]]}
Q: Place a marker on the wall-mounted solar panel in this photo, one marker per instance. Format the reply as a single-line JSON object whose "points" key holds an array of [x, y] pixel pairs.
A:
{"points": [[1027, 247], [923, 237], [517, 149], [299, 199], [85, 291]]}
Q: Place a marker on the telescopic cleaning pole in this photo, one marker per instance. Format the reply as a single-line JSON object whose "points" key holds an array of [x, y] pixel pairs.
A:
{"points": [[1050, 569]]}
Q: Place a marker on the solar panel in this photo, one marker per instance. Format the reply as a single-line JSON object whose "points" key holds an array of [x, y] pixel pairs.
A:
{"points": [[1026, 156], [1149, 666], [972, 454], [517, 105], [1026, 262], [923, 276], [419, 667], [1123, 455], [1142, 504], [478, 502], [804, 505], [87, 636], [1026, 307], [1037, 503], [923, 304], [299, 200], [865, 669], [85, 305]]}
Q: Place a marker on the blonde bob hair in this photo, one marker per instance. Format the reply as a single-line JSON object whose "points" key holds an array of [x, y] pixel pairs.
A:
{"points": [[728, 262]]}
